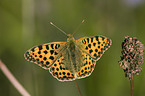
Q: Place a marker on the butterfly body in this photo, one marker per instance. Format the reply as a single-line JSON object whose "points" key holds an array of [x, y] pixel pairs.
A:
{"points": [[70, 60]]}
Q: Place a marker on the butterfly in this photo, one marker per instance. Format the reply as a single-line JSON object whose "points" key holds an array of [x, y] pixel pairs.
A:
{"points": [[71, 60]]}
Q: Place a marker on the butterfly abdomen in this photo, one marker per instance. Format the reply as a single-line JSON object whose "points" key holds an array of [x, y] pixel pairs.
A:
{"points": [[72, 53]]}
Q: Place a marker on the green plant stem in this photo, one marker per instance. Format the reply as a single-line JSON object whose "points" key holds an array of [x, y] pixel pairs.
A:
{"points": [[77, 87], [131, 87]]}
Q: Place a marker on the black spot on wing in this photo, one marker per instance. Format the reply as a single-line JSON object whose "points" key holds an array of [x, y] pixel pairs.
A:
{"points": [[40, 47], [99, 42], [42, 62], [55, 53], [33, 49], [109, 42], [89, 45], [97, 38], [45, 52], [51, 52], [51, 57], [57, 69], [40, 56], [37, 59], [86, 48], [39, 52], [88, 40], [95, 55], [44, 58], [102, 37], [56, 47], [91, 40], [94, 44], [52, 46], [55, 64], [90, 51], [68, 73], [96, 50], [47, 47], [84, 41], [52, 68], [63, 73], [47, 62]]}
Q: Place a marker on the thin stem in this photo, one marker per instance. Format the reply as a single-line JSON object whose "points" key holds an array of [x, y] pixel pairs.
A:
{"points": [[13, 80], [77, 87], [131, 89]]}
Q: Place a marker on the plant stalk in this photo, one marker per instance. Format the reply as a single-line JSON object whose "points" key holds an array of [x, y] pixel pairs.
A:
{"points": [[131, 89], [78, 88], [13, 80]]}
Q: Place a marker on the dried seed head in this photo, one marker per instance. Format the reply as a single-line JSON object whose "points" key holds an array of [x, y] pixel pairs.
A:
{"points": [[132, 56]]}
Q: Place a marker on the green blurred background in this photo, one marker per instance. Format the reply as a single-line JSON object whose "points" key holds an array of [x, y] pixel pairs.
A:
{"points": [[25, 23]]}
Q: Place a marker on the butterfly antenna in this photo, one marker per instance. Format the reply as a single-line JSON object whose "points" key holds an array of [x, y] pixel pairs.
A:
{"points": [[58, 28], [78, 27]]}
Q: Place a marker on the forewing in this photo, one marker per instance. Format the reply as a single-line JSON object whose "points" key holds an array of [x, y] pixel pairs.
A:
{"points": [[94, 46], [46, 54]]}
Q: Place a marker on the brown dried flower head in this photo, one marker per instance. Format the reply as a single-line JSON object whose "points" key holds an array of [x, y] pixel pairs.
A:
{"points": [[132, 56]]}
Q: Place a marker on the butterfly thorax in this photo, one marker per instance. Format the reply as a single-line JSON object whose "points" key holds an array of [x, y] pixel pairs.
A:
{"points": [[71, 47], [70, 38]]}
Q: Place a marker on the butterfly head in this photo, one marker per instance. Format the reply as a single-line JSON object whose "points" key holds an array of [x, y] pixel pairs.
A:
{"points": [[70, 37]]}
